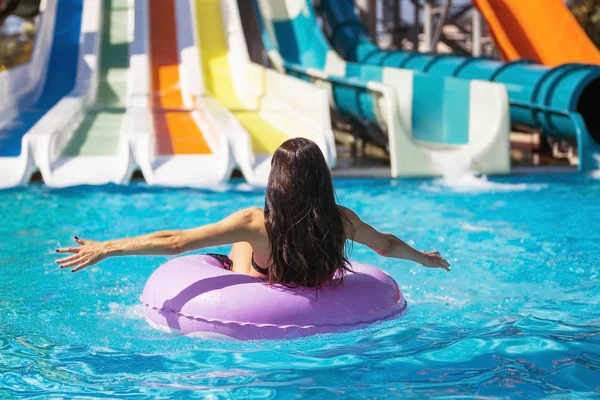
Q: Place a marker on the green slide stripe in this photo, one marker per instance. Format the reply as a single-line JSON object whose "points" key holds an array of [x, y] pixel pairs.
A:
{"points": [[99, 133]]}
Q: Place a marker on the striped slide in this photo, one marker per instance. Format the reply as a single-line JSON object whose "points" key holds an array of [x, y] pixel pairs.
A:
{"points": [[175, 142], [431, 124]]}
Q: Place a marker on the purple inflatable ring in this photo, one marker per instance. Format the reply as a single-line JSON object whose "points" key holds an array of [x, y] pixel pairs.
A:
{"points": [[194, 295]]}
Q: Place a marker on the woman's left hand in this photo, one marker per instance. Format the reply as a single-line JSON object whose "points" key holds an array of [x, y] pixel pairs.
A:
{"points": [[88, 253], [433, 259]]}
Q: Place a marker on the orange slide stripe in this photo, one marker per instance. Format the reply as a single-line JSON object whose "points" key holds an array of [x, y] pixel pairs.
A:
{"points": [[541, 30], [175, 129]]}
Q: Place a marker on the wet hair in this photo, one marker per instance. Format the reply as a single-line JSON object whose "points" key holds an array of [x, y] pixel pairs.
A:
{"points": [[304, 224]]}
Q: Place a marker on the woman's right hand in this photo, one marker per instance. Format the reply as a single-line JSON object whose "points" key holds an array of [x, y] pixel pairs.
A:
{"points": [[88, 253], [433, 259]]}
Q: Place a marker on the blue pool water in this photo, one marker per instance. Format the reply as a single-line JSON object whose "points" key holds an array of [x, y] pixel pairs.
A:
{"points": [[518, 314]]}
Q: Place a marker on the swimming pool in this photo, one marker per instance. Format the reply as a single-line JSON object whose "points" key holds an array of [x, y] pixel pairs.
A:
{"points": [[519, 313]]}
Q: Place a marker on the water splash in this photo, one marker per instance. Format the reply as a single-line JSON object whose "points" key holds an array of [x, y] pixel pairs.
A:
{"points": [[596, 173], [459, 176], [473, 228], [134, 312]]}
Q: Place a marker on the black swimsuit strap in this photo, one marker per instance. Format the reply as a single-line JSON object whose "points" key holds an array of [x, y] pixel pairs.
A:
{"points": [[259, 269], [223, 259]]}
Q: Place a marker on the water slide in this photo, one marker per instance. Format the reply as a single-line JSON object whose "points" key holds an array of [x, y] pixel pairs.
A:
{"points": [[270, 107], [559, 101], [544, 31], [71, 128], [431, 124], [83, 139], [175, 143], [26, 93]]}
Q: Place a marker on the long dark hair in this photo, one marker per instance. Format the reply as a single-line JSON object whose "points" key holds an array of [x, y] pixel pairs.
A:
{"points": [[303, 222]]}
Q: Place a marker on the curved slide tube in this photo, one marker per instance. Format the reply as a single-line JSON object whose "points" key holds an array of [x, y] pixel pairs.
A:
{"points": [[83, 139], [432, 123], [269, 106], [560, 101], [175, 144], [544, 31]]}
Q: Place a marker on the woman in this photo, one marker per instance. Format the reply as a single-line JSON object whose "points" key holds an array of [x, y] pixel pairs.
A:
{"points": [[298, 239]]}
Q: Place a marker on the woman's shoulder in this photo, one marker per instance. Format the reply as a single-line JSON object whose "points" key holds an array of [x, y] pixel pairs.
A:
{"points": [[350, 215], [351, 221]]}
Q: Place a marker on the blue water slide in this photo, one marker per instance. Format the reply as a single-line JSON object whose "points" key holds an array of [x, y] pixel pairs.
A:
{"points": [[560, 101], [59, 81], [440, 109], [433, 118], [304, 49]]}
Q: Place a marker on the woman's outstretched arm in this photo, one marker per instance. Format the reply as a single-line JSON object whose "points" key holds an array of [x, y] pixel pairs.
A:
{"points": [[388, 245], [238, 227]]}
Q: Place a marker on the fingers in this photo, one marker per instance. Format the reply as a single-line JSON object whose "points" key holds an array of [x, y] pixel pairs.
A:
{"points": [[437, 261], [81, 266], [67, 259], [68, 250], [72, 262], [73, 249], [445, 264], [83, 256], [80, 263]]}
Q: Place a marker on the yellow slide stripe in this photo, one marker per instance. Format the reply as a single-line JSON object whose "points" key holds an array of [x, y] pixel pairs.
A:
{"points": [[217, 78]]}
